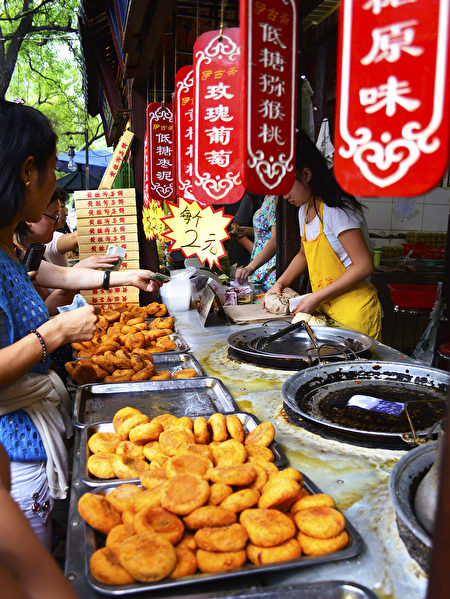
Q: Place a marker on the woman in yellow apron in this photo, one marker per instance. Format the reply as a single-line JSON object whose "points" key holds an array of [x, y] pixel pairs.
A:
{"points": [[333, 248]]}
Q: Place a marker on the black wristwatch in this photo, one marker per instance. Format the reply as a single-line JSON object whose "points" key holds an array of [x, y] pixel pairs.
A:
{"points": [[106, 275]]}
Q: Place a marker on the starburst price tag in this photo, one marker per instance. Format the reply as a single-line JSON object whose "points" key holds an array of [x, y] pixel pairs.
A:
{"points": [[152, 221], [197, 230]]}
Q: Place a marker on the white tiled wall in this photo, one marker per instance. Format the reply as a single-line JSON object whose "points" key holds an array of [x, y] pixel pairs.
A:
{"points": [[396, 216]]}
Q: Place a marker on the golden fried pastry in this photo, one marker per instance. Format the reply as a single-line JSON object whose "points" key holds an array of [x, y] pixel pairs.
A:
{"points": [[184, 422], [186, 373], [166, 420], [153, 478], [152, 308], [186, 563], [100, 465], [123, 429], [188, 542], [111, 316], [312, 546], [105, 567], [204, 450], [77, 346], [137, 362], [321, 522], [96, 510], [146, 432], [104, 363], [118, 534], [162, 310], [307, 501], [104, 442], [172, 440], [263, 434], [268, 555], [267, 528], [81, 372], [279, 492], [167, 343], [223, 538], [130, 449], [128, 517], [102, 322], [269, 467], [218, 492], [136, 320], [134, 340], [218, 426], [160, 375], [141, 326], [209, 515], [108, 345], [261, 477], [138, 312], [241, 500], [229, 453], [290, 473], [214, 561], [147, 556], [123, 372], [125, 316], [241, 474], [234, 427], [127, 330], [201, 430], [125, 467], [122, 414], [88, 344], [184, 493], [161, 521], [156, 349], [153, 452], [123, 496], [259, 453], [149, 498], [188, 462]]}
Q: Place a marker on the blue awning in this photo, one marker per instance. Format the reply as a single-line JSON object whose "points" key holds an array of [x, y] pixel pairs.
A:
{"points": [[98, 161]]}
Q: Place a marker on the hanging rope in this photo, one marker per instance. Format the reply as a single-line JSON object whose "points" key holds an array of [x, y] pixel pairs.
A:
{"points": [[164, 72], [221, 18]]}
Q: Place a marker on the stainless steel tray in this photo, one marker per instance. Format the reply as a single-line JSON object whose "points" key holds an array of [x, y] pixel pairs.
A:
{"points": [[249, 422], [98, 402], [181, 344], [328, 589], [94, 540]]}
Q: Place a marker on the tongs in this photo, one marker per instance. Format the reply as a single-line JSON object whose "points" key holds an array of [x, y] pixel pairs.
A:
{"points": [[262, 342]]}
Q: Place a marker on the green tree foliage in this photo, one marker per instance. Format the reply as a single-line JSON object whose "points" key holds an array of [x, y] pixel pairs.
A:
{"points": [[40, 63]]}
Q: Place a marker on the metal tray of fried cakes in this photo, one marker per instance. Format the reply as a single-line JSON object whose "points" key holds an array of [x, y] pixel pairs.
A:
{"points": [[96, 540], [249, 422], [181, 346], [98, 402]]}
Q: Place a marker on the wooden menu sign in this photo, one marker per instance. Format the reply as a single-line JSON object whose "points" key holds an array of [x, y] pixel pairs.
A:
{"points": [[116, 160], [108, 217]]}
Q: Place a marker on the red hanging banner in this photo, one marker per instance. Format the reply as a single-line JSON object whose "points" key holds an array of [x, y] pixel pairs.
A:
{"points": [[269, 62], [159, 128], [184, 130], [217, 89], [146, 184], [392, 120]]}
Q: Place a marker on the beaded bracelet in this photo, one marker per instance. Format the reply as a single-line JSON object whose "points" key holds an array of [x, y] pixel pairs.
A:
{"points": [[106, 276], [42, 342]]}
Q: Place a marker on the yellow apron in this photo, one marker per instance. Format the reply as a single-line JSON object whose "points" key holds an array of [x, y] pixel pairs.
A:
{"points": [[357, 308]]}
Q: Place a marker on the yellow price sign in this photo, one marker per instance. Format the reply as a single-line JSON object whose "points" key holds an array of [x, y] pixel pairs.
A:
{"points": [[197, 230], [151, 220]]}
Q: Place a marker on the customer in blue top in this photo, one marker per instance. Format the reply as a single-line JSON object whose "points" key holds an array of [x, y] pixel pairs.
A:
{"points": [[33, 401]]}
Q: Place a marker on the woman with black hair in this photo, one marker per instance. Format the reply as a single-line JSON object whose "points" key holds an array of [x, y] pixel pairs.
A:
{"points": [[334, 247], [34, 415]]}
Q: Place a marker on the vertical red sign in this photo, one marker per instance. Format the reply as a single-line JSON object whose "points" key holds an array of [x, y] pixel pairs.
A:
{"points": [[392, 121], [184, 130], [217, 90], [146, 189], [269, 62], [159, 128]]}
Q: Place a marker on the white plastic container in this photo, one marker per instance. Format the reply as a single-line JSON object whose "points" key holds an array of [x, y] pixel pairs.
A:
{"points": [[176, 294]]}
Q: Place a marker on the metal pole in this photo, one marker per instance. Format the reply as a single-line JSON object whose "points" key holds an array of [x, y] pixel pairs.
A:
{"points": [[86, 139]]}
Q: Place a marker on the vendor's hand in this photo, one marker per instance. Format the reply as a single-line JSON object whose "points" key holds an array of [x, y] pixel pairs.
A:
{"points": [[141, 280], [96, 261], [308, 304], [277, 288], [243, 273], [75, 325]]}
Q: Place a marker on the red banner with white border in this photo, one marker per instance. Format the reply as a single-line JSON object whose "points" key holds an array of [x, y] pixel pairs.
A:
{"points": [[184, 130], [392, 120], [269, 33], [159, 128], [217, 89]]}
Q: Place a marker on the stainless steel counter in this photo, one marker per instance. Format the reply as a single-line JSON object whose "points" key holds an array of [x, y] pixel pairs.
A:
{"points": [[357, 477]]}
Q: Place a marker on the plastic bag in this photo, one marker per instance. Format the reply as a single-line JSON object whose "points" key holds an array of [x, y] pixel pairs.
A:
{"points": [[424, 350]]}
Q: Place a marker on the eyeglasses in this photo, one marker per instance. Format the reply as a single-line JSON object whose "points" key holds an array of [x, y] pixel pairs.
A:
{"points": [[55, 218]]}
